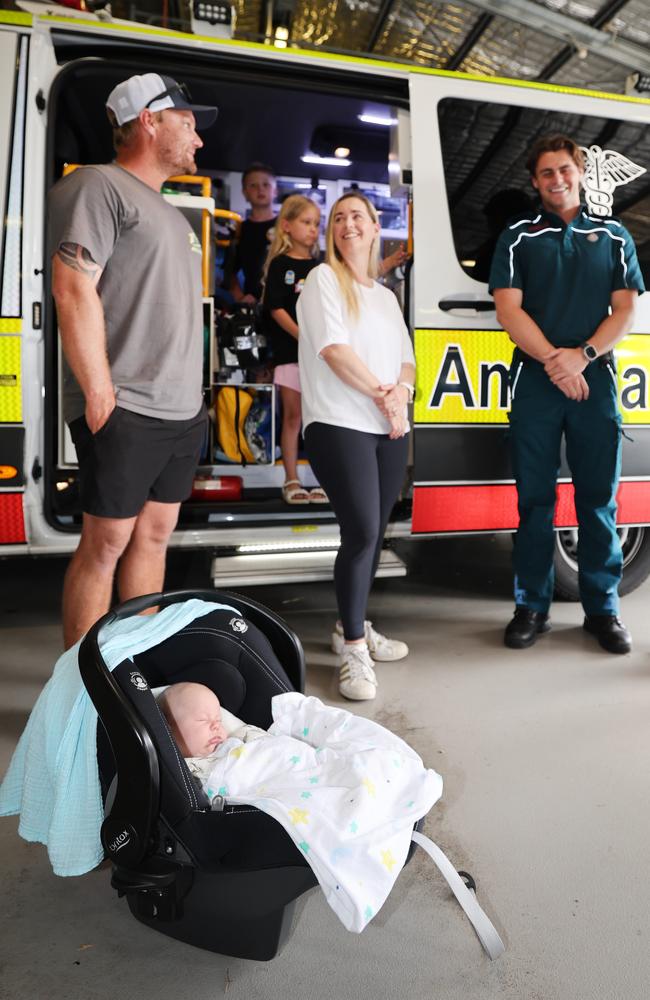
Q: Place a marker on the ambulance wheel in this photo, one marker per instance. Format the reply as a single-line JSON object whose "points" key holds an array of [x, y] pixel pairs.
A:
{"points": [[636, 561]]}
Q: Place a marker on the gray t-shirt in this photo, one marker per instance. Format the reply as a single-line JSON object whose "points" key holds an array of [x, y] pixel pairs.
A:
{"points": [[150, 289]]}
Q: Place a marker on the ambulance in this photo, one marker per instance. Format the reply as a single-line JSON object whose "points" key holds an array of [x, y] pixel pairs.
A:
{"points": [[442, 155]]}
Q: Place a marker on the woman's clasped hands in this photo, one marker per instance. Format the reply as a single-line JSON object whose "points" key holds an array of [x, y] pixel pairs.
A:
{"points": [[391, 400]]}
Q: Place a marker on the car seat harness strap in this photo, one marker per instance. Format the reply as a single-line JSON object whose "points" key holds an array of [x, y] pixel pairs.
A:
{"points": [[485, 929]]}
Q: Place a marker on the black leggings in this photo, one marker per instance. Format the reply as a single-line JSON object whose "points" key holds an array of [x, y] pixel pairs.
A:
{"points": [[362, 475]]}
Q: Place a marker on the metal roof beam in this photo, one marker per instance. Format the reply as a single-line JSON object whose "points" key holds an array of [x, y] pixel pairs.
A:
{"points": [[561, 58], [483, 22], [566, 29], [378, 26]]}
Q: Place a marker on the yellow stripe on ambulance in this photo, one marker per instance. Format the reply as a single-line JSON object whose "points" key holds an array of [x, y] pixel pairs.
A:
{"points": [[11, 409], [462, 377]]}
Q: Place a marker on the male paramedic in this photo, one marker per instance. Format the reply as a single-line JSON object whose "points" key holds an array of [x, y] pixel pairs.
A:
{"points": [[126, 279], [565, 284]]}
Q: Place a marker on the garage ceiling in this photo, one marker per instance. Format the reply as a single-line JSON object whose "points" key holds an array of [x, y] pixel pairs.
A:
{"points": [[580, 43]]}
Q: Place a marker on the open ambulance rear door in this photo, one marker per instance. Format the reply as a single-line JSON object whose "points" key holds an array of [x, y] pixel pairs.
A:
{"points": [[13, 93]]}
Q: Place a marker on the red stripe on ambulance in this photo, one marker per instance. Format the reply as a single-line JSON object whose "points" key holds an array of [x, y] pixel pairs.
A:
{"points": [[12, 524], [494, 508]]}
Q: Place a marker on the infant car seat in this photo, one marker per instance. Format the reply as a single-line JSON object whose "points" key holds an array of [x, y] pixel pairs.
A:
{"points": [[222, 880]]}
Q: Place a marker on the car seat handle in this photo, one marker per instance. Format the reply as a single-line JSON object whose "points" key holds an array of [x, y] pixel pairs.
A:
{"points": [[139, 604]]}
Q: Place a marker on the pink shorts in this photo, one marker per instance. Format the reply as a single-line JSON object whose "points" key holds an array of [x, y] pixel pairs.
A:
{"points": [[288, 375]]}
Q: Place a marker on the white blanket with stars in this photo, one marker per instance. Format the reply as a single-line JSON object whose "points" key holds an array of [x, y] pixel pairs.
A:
{"points": [[346, 790]]}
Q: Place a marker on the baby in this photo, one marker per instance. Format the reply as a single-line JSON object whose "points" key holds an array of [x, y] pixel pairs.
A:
{"points": [[197, 722]]}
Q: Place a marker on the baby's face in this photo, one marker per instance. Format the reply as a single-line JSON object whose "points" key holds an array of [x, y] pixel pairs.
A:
{"points": [[199, 727]]}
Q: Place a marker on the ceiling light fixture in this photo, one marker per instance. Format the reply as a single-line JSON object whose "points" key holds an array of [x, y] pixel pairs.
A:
{"points": [[371, 119], [341, 152], [281, 37], [325, 161]]}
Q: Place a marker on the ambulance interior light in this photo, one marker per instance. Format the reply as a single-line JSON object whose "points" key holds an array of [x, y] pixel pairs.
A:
{"points": [[328, 161], [377, 119]]}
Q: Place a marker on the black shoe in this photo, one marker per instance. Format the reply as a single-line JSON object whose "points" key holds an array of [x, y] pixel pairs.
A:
{"points": [[525, 626], [610, 632]]}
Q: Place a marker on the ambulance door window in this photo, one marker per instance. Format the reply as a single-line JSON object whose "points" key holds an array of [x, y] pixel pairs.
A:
{"points": [[13, 72], [484, 149]]}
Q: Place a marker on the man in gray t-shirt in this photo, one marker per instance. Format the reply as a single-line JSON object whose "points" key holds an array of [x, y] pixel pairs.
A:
{"points": [[126, 279]]}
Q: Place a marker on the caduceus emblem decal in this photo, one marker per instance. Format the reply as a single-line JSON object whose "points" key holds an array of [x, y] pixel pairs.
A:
{"points": [[605, 170]]}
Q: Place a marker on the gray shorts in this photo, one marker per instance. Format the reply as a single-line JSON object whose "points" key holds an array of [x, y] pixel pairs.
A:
{"points": [[133, 458]]}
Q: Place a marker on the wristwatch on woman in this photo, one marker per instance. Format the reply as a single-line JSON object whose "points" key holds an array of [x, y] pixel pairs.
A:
{"points": [[411, 390]]}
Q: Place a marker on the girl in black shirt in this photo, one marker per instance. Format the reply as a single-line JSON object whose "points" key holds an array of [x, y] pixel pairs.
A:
{"points": [[293, 253]]}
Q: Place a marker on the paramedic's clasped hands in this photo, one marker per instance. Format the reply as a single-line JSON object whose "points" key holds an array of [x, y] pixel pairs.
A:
{"points": [[564, 366], [574, 388]]}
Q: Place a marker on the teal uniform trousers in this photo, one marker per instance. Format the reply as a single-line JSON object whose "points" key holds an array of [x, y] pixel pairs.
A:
{"points": [[540, 414]]}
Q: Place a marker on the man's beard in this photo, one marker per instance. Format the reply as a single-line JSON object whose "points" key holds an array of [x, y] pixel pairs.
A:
{"points": [[175, 164], [187, 166]]}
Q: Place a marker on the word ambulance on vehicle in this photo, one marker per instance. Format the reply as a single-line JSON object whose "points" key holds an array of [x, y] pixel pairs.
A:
{"points": [[441, 153]]}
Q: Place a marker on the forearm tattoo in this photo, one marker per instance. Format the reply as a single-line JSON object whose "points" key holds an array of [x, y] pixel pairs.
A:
{"points": [[79, 259]]}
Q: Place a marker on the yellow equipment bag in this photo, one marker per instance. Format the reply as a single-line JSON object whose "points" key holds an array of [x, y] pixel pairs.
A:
{"points": [[232, 406]]}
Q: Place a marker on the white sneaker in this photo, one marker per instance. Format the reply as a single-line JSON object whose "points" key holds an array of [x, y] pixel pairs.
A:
{"points": [[381, 648], [357, 679]]}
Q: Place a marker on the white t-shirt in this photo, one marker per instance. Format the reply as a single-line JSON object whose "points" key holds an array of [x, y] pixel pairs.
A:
{"points": [[379, 337]]}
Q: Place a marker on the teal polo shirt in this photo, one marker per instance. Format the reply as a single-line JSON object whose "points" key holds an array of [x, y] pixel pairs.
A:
{"points": [[567, 273]]}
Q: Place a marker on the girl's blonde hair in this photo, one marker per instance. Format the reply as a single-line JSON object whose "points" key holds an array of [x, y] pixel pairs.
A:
{"points": [[332, 256], [292, 207]]}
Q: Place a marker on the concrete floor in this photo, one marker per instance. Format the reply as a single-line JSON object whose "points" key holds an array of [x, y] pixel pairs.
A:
{"points": [[545, 755]]}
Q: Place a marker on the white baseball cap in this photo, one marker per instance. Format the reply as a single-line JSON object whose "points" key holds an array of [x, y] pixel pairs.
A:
{"points": [[157, 93]]}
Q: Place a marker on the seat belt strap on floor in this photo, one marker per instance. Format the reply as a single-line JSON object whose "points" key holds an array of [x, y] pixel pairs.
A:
{"points": [[485, 929]]}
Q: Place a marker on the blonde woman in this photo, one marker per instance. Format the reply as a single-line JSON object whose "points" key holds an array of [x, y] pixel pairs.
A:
{"points": [[357, 373], [292, 255]]}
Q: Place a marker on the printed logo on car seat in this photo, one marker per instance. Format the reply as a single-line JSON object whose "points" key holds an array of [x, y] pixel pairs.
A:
{"points": [[138, 681], [238, 625], [119, 842]]}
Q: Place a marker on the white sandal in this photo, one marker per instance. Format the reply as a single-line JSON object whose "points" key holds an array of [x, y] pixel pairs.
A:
{"points": [[294, 492], [318, 495]]}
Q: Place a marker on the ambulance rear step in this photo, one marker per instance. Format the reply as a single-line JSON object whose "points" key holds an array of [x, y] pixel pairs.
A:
{"points": [[301, 564]]}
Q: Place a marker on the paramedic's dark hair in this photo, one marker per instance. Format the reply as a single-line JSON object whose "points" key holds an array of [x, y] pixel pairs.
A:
{"points": [[554, 143], [123, 134], [262, 168]]}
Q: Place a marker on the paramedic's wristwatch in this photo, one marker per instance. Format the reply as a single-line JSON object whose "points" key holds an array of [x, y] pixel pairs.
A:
{"points": [[589, 351], [411, 389]]}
